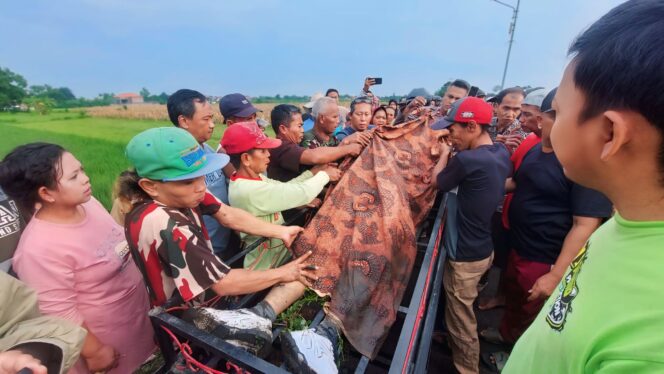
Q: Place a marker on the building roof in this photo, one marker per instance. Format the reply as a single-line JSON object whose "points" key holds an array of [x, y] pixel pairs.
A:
{"points": [[127, 95]]}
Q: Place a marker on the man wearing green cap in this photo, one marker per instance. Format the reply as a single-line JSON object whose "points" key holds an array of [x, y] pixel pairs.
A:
{"points": [[165, 229]]}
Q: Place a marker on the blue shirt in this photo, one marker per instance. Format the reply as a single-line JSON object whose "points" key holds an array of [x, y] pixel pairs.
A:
{"points": [[218, 186], [308, 124], [346, 131]]}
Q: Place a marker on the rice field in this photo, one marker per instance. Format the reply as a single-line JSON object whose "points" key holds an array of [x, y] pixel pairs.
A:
{"points": [[98, 143], [156, 112]]}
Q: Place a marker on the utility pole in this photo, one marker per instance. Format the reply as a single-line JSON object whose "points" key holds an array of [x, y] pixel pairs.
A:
{"points": [[515, 13]]}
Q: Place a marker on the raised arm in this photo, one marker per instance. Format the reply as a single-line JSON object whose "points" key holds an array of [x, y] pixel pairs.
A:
{"points": [[324, 155], [238, 219]]}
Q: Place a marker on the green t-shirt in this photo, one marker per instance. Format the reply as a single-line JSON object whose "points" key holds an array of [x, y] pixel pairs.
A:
{"points": [[607, 314]]}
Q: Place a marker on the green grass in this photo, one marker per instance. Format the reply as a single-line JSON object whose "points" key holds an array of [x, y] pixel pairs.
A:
{"points": [[98, 143]]}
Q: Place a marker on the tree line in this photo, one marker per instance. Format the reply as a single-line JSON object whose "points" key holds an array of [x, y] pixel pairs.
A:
{"points": [[17, 95]]}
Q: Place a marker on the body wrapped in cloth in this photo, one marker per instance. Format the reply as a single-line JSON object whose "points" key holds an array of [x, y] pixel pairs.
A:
{"points": [[363, 237]]}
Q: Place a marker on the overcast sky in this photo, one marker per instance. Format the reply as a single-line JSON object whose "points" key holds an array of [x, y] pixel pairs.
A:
{"points": [[298, 47]]}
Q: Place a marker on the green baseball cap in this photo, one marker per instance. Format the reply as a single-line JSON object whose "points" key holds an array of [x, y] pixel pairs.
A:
{"points": [[171, 154]]}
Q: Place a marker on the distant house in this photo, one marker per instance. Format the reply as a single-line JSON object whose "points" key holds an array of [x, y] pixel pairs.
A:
{"points": [[128, 98]]}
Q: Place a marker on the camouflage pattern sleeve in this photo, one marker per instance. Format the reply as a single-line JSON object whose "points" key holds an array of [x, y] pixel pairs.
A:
{"points": [[191, 262], [210, 204]]}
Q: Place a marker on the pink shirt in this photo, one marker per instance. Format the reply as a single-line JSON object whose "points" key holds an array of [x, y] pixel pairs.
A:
{"points": [[84, 273]]}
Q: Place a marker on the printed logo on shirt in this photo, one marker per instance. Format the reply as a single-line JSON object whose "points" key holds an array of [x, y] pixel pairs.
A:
{"points": [[122, 251], [9, 219], [569, 289], [213, 177]]}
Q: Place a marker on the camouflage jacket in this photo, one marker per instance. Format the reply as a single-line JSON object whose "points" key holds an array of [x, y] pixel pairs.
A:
{"points": [[175, 248]]}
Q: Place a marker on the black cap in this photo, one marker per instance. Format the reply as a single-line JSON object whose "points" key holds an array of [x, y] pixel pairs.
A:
{"points": [[236, 105], [548, 100]]}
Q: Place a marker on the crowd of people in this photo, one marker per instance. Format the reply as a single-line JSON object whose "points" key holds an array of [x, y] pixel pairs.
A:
{"points": [[560, 189]]}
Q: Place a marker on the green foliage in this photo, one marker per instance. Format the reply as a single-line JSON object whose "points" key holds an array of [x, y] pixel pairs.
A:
{"points": [[12, 89], [162, 98], [295, 317], [41, 105], [103, 99], [145, 93], [59, 95]]}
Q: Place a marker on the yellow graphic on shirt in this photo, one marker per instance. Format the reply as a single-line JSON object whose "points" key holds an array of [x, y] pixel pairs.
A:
{"points": [[568, 291]]}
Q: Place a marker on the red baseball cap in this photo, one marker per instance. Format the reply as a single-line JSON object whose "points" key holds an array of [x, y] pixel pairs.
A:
{"points": [[465, 110], [245, 136]]}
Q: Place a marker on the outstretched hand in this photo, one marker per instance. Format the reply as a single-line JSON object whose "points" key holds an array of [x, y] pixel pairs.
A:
{"points": [[333, 172], [363, 138], [298, 270], [414, 105], [289, 233]]}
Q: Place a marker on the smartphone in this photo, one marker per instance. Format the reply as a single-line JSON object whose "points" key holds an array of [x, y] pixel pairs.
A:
{"points": [[377, 80]]}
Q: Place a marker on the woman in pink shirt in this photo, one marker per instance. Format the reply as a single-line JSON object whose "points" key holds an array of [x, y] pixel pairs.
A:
{"points": [[75, 256]]}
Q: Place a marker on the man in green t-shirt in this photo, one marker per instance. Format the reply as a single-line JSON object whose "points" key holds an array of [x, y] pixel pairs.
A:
{"points": [[607, 314]]}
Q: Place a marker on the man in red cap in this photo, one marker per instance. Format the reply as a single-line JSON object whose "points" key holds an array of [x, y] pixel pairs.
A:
{"points": [[265, 198], [475, 181]]}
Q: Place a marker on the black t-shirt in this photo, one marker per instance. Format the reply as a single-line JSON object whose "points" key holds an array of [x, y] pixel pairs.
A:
{"points": [[285, 161], [480, 175], [543, 206]]}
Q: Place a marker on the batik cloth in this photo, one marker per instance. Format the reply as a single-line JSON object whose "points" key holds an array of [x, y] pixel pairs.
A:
{"points": [[363, 237]]}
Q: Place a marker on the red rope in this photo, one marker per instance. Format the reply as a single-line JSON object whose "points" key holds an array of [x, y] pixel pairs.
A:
{"points": [[183, 307], [212, 302], [194, 364]]}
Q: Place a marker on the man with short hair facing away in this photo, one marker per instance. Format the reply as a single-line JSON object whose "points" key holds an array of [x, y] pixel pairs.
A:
{"points": [[607, 313], [506, 128], [475, 176], [290, 159], [265, 198]]}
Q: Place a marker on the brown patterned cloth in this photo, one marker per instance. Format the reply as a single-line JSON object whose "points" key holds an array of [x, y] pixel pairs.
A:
{"points": [[363, 237]]}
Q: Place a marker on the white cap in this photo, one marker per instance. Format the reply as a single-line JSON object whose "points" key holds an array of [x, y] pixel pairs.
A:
{"points": [[536, 97], [314, 98]]}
